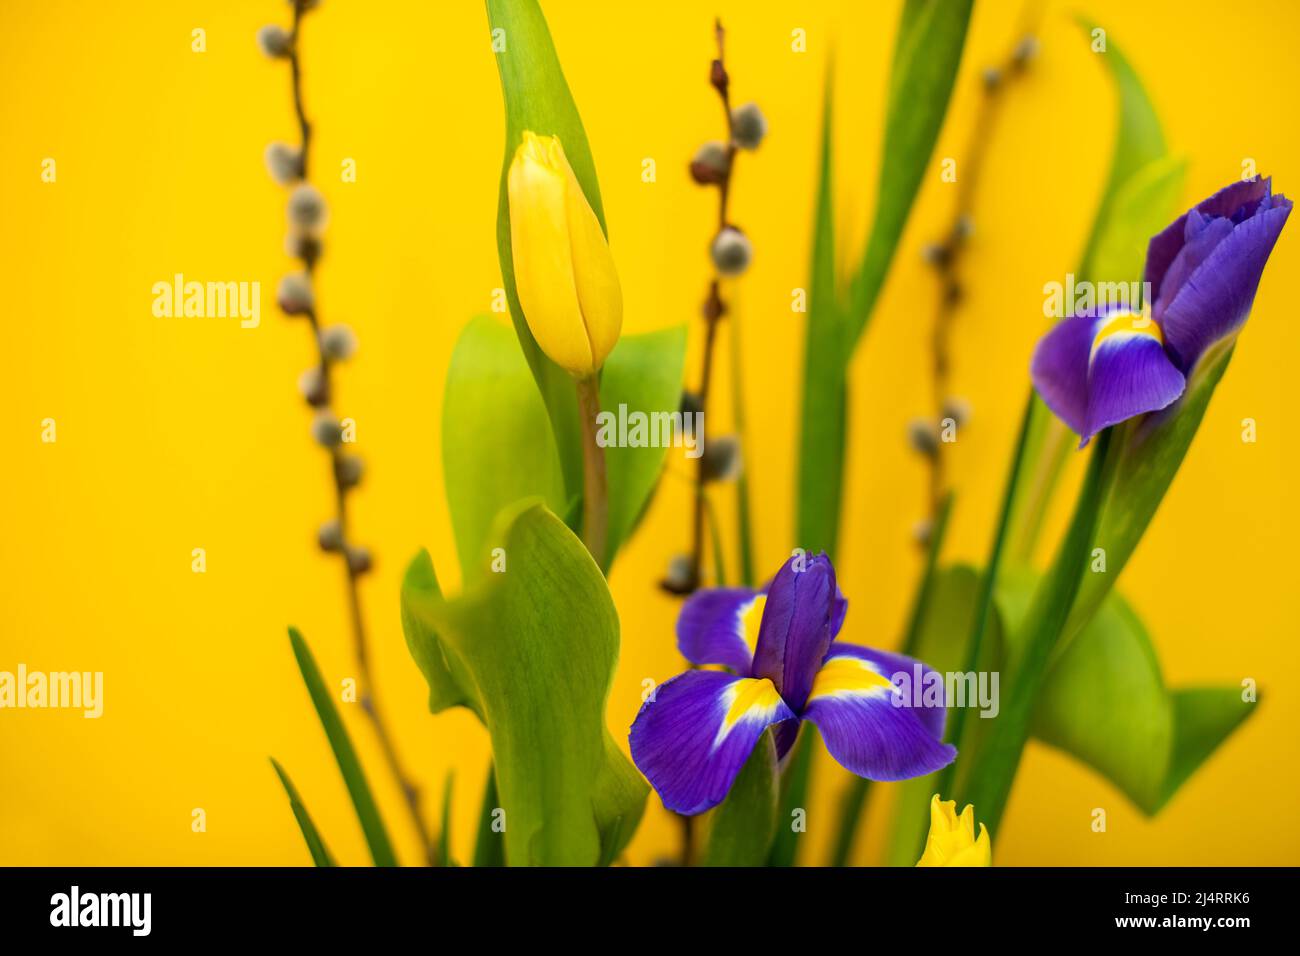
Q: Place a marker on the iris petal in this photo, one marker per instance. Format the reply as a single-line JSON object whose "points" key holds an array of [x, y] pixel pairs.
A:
{"points": [[1215, 299], [1130, 375], [693, 737], [720, 626], [852, 704], [1231, 202], [1060, 369], [796, 629], [888, 665]]}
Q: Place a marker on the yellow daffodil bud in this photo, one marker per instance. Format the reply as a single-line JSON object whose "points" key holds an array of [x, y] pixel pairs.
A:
{"points": [[952, 839], [564, 272]]}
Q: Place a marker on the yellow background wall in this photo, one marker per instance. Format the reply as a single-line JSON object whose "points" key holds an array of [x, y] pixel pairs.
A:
{"points": [[175, 434]]}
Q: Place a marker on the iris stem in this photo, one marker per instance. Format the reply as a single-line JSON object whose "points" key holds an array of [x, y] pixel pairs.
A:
{"points": [[854, 799], [988, 785], [988, 586], [595, 492]]}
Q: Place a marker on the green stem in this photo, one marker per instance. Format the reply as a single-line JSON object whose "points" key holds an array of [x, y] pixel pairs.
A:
{"points": [[855, 795], [988, 585], [989, 784], [595, 501]]}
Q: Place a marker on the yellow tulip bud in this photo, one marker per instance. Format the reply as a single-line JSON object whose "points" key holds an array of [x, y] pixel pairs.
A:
{"points": [[952, 839], [564, 272]]}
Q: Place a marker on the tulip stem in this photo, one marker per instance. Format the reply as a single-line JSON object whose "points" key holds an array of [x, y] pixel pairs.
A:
{"points": [[595, 494]]}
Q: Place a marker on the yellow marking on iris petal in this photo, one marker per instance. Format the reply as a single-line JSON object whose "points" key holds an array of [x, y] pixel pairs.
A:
{"points": [[1126, 323], [750, 619], [749, 697], [846, 675]]}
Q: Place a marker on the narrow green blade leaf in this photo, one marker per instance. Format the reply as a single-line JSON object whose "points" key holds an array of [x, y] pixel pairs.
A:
{"points": [[943, 642], [444, 857], [539, 643], [497, 445], [822, 418], [381, 850], [988, 785], [489, 845], [320, 854], [742, 827], [537, 98], [927, 53]]}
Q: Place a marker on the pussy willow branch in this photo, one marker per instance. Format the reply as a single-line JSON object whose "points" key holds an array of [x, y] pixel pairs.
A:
{"points": [[946, 256], [714, 310], [309, 254]]}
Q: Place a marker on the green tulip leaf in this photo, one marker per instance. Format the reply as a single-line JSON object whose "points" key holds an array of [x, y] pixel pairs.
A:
{"points": [[537, 99], [535, 646], [497, 445], [644, 376], [449, 682], [742, 827], [363, 801], [320, 854]]}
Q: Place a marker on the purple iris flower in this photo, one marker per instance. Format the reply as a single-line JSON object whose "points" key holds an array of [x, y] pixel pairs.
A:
{"points": [[1203, 270], [691, 739]]}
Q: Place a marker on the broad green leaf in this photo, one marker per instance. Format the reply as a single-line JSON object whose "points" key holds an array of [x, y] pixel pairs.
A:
{"points": [[320, 854], [742, 827], [489, 845], [1139, 199], [1105, 702], [1204, 717], [822, 420], [642, 375], [381, 850], [927, 52], [538, 643], [449, 684], [497, 446], [537, 98]]}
